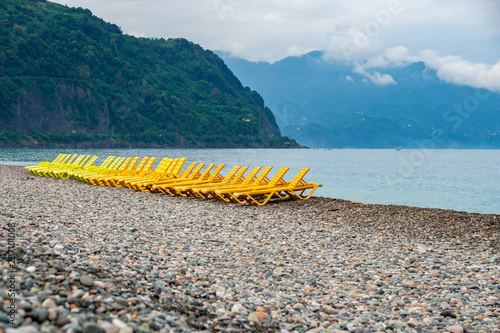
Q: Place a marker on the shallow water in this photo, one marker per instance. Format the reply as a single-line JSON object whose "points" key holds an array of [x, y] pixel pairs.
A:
{"points": [[465, 180]]}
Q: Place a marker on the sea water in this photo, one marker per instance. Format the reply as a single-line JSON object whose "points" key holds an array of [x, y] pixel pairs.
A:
{"points": [[464, 180]]}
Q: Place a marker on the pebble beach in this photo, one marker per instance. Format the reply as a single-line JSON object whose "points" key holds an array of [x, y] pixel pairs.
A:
{"points": [[100, 259]]}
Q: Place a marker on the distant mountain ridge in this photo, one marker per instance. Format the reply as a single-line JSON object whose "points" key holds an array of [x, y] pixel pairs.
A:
{"points": [[69, 78], [329, 104]]}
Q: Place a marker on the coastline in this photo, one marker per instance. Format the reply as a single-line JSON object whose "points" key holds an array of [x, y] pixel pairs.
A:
{"points": [[120, 260]]}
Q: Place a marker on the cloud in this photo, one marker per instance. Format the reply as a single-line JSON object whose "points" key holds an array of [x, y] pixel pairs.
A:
{"points": [[137, 34], [376, 77], [454, 69], [451, 69], [297, 51], [349, 43]]}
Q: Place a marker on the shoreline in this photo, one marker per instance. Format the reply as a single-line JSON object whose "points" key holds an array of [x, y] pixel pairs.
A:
{"points": [[98, 258]]}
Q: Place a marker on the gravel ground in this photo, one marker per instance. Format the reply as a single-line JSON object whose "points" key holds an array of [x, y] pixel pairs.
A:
{"points": [[100, 259]]}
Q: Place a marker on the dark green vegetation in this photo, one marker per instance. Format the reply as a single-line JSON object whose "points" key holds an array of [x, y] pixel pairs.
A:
{"points": [[69, 78], [326, 104]]}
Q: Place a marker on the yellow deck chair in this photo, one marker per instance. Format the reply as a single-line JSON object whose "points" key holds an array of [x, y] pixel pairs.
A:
{"points": [[89, 169], [227, 194], [112, 164], [66, 159], [162, 169], [52, 172], [143, 176], [86, 162], [94, 179], [186, 190], [238, 180], [174, 170], [109, 181], [45, 164], [295, 189], [192, 172], [130, 167], [146, 167], [164, 187], [63, 173], [214, 176]]}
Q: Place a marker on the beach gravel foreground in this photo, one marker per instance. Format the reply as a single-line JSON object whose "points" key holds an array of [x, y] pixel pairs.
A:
{"points": [[98, 259]]}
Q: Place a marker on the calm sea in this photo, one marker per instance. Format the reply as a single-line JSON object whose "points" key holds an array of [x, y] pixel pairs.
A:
{"points": [[465, 180]]}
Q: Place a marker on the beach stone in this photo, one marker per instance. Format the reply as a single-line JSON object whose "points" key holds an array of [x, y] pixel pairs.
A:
{"points": [[253, 317], [127, 329], [93, 328], [118, 323], [63, 320], [261, 315], [29, 282], [448, 313], [4, 318], [237, 308], [26, 306], [52, 314], [87, 280], [49, 303], [24, 329], [455, 329], [31, 269], [41, 315], [112, 329], [77, 294]]}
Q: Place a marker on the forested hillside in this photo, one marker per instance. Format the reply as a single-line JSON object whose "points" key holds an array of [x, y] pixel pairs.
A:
{"points": [[69, 78]]}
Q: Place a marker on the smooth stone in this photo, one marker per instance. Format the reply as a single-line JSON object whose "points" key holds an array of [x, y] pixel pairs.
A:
{"points": [[112, 329], [448, 313], [77, 294], [328, 309], [42, 315], [455, 329], [63, 320], [24, 329], [93, 328], [4, 318], [29, 283], [52, 315], [87, 281], [25, 306], [30, 269], [118, 323], [49, 303], [237, 308], [261, 315], [253, 317]]}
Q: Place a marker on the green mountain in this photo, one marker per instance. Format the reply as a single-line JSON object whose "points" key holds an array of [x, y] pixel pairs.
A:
{"points": [[69, 78], [328, 104]]}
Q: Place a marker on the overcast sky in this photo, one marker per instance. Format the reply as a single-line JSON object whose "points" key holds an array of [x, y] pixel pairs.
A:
{"points": [[456, 37]]}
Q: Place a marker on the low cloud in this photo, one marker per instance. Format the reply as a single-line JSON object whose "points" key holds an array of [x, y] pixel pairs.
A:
{"points": [[454, 69], [348, 43], [376, 77], [451, 69]]}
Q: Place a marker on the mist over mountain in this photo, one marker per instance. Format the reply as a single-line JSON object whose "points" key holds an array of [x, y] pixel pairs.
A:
{"points": [[335, 104]]}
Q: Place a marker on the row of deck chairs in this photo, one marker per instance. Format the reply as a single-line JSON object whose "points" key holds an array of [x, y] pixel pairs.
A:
{"points": [[169, 177]]}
